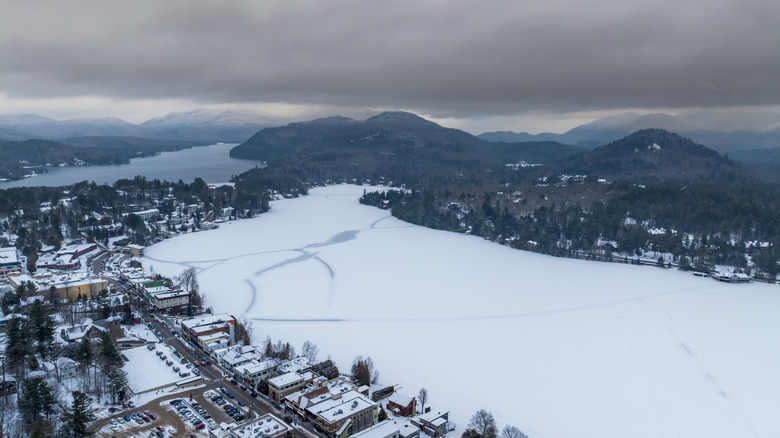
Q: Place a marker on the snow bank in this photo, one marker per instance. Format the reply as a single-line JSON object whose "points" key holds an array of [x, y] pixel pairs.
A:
{"points": [[557, 347]]}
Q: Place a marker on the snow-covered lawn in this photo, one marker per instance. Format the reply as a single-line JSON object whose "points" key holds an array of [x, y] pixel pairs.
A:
{"points": [[557, 347], [146, 370]]}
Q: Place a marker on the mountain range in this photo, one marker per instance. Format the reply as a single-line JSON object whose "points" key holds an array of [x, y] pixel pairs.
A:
{"points": [[403, 146], [716, 133], [205, 126]]}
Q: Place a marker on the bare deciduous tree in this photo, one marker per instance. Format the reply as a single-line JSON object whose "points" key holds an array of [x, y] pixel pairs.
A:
{"points": [[483, 423], [423, 397], [512, 432], [310, 351], [188, 280]]}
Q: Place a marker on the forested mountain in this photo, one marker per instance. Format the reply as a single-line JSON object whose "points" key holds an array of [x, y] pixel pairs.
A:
{"points": [[20, 158], [394, 145], [139, 146], [652, 190], [653, 155]]}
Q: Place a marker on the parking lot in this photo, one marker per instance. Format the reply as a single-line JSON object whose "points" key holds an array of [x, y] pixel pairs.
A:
{"points": [[163, 419]]}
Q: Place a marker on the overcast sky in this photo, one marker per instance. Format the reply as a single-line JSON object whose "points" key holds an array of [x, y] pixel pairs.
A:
{"points": [[481, 65]]}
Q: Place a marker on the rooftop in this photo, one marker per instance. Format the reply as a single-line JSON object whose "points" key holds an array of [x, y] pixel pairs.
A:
{"points": [[343, 407], [207, 320], [379, 430], [285, 379], [266, 426]]}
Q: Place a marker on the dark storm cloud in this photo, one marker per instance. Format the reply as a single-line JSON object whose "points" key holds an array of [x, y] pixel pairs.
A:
{"points": [[446, 58]]}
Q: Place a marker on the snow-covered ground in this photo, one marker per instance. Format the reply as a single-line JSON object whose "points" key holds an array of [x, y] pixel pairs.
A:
{"points": [[146, 370], [557, 347]]}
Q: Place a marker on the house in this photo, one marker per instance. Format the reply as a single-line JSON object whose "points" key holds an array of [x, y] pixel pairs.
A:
{"points": [[112, 325], [402, 405], [75, 333], [433, 423], [65, 368]]}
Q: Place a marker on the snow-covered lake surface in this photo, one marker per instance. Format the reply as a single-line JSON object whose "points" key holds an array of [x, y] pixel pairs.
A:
{"points": [[557, 347]]}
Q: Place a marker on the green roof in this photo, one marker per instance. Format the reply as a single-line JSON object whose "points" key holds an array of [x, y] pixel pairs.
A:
{"points": [[158, 283]]}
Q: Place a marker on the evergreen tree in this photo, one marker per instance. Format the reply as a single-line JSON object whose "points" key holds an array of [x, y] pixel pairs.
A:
{"points": [[36, 400], [108, 353], [117, 381], [74, 417], [41, 327], [19, 348]]}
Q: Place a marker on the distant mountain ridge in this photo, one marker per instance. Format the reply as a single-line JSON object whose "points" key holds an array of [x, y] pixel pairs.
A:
{"points": [[205, 126], [723, 138]]}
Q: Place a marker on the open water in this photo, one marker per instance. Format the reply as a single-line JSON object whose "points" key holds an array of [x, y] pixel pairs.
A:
{"points": [[211, 163]]}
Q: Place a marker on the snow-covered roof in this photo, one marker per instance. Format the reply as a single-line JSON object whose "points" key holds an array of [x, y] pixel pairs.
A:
{"points": [[294, 365], [380, 430], [285, 379], [267, 426], [8, 256], [343, 407], [207, 320], [400, 399]]}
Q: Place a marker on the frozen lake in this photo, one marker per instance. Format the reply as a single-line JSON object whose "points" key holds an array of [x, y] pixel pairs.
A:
{"points": [[556, 347]]}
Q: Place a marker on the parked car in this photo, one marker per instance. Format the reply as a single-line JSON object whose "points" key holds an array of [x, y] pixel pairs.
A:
{"points": [[241, 403]]}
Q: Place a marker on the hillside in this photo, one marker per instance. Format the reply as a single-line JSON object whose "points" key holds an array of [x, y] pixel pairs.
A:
{"points": [[393, 145], [20, 158], [652, 155], [138, 146]]}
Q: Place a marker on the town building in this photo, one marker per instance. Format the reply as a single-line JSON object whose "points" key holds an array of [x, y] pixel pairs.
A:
{"points": [[288, 383], [196, 328], [9, 263], [265, 426], [169, 299], [343, 414], [390, 429], [255, 371]]}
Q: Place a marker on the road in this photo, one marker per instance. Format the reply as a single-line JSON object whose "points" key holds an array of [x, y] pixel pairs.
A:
{"points": [[214, 376]]}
